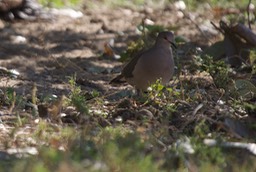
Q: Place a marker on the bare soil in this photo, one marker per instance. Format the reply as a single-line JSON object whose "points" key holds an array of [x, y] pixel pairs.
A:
{"points": [[55, 50]]}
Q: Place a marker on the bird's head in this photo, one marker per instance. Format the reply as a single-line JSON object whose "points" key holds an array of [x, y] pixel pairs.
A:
{"points": [[166, 37]]}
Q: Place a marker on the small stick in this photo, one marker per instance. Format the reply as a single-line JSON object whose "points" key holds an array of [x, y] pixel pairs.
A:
{"points": [[197, 26], [217, 28], [248, 13]]}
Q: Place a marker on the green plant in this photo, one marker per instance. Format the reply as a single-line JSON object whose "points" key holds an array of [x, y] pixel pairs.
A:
{"points": [[216, 3], [9, 96], [161, 93], [76, 97], [253, 61], [135, 4], [132, 50], [60, 3], [214, 154], [127, 153], [201, 129], [219, 71], [11, 100]]}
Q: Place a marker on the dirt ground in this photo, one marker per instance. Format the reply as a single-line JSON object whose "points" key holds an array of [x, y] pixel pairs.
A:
{"points": [[46, 53], [57, 49]]}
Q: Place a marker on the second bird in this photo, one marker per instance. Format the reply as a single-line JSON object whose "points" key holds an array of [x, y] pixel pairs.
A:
{"points": [[149, 66]]}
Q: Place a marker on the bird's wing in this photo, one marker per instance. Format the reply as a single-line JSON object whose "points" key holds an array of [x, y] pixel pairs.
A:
{"points": [[117, 79], [129, 67]]}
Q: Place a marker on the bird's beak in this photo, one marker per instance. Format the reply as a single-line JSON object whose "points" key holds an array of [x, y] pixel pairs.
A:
{"points": [[172, 43]]}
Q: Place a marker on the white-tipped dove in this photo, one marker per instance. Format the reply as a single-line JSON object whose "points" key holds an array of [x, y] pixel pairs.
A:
{"points": [[149, 66]]}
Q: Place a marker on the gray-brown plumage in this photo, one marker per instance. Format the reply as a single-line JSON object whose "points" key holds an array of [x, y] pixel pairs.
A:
{"points": [[6, 5], [149, 66], [21, 9]]}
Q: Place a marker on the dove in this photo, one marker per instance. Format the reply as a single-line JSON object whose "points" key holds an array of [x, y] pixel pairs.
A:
{"points": [[148, 66]]}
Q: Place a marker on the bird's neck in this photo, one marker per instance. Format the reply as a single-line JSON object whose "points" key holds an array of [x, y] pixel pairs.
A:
{"points": [[162, 44]]}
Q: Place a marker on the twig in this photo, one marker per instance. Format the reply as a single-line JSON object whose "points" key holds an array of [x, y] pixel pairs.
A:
{"points": [[248, 14], [197, 109], [217, 28], [197, 26]]}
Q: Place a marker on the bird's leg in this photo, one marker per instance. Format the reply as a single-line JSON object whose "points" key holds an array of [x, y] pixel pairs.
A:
{"points": [[138, 93]]}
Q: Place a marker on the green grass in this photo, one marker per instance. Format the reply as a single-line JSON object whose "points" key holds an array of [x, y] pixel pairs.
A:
{"points": [[60, 3], [113, 150], [150, 145], [77, 98], [191, 4], [141, 145]]}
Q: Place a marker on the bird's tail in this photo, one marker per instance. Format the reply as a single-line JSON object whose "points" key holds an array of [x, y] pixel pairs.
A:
{"points": [[118, 79]]}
